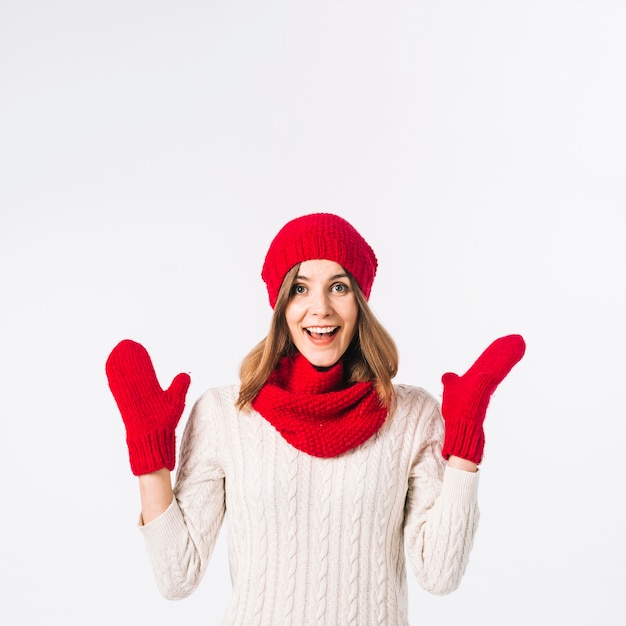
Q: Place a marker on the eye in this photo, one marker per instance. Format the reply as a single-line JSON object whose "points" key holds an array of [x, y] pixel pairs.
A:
{"points": [[340, 288], [298, 290]]}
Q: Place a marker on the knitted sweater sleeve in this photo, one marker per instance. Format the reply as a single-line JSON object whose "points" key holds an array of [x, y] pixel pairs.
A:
{"points": [[441, 514], [180, 541]]}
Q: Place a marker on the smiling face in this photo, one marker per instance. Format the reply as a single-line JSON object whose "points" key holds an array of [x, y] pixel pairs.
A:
{"points": [[322, 312]]}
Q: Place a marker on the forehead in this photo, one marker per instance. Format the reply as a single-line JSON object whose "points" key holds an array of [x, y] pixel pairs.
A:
{"points": [[320, 268]]}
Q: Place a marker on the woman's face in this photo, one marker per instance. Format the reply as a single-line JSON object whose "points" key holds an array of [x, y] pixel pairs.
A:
{"points": [[322, 312]]}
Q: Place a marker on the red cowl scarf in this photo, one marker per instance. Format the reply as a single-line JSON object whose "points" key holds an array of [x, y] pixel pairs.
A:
{"points": [[315, 411]]}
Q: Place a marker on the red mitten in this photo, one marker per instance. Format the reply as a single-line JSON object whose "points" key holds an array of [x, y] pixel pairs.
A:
{"points": [[465, 398], [149, 413]]}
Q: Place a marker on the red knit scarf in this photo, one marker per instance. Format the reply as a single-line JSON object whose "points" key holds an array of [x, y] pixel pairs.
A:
{"points": [[315, 411]]}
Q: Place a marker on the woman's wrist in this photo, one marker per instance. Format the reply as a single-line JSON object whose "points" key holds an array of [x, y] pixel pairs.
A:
{"points": [[156, 494], [463, 464]]}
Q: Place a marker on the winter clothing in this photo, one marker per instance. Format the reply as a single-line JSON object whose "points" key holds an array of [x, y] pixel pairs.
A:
{"points": [[317, 411], [323, 489], [315, 540], [465, 398], [318, 236], [149, 413]]}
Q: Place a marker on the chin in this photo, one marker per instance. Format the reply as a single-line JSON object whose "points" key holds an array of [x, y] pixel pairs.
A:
{"points": [[322, 363]]}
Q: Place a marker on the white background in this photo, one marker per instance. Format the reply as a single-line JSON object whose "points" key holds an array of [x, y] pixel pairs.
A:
{"points": [[149, 151]]}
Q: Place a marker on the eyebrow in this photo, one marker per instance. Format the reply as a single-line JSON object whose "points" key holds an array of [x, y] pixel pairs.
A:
{"points": [[335, 277]]}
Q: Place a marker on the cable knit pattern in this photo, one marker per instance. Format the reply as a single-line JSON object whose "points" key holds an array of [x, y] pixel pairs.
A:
{"points": [[315, 541], [323, 507]]}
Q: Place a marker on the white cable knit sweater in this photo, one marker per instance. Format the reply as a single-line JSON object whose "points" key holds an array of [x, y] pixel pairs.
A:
{"points": [[312, 540]]}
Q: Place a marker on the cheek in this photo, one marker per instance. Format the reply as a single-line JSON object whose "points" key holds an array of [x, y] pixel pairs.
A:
{"points": [[353, 329], [350, 324], [351, 315], [292, 318]]}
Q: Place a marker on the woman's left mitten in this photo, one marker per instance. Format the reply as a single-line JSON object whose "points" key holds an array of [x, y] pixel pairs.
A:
{"points": [[150, 414], [465, 398]]}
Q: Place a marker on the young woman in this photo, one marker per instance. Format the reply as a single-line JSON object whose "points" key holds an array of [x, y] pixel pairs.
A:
{"points": [[328, 472]]}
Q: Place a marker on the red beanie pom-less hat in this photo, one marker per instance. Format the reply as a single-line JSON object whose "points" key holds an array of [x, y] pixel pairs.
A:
{"points": [[318, 236]]}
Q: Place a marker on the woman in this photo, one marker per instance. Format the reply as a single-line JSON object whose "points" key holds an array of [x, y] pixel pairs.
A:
{"points": [[327, 470]]}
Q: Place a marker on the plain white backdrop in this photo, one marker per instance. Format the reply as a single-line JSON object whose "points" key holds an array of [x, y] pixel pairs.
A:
{"points": [[149, 151]]}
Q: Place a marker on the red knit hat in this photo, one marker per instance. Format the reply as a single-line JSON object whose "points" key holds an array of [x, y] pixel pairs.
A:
{"points": [[318, 236]]}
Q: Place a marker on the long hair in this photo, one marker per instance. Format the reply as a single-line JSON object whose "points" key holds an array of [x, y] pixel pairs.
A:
{"points": [[371, 356]]}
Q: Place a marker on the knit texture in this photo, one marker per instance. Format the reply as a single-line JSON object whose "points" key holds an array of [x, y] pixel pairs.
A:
{"points": [[317, 411], [150, 414], [318, 236], [466, 398], [315, 541]]}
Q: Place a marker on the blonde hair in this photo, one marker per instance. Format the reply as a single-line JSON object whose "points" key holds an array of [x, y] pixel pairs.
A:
{"points": [[372, 355]]}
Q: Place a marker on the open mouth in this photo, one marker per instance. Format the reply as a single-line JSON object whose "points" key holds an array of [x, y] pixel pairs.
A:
{"points": [[321, 332]]}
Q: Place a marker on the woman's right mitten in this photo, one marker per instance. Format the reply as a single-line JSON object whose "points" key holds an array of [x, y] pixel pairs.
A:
{"points": [[150, 414]]}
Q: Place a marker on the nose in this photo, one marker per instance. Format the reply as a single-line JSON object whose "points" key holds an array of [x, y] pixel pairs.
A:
{"points": [[320, 303]]}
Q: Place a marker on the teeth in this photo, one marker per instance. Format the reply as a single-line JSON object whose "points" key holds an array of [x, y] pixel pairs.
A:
{"points": [[321, 331]]}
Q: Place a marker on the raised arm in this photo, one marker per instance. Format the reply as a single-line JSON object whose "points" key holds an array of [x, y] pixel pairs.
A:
{"points": [[150, 416]]}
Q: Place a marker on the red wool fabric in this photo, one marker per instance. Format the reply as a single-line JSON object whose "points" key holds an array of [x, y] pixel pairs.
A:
{"points": [[150, 414], [315, 411], [318, 236], [466, 398]]}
